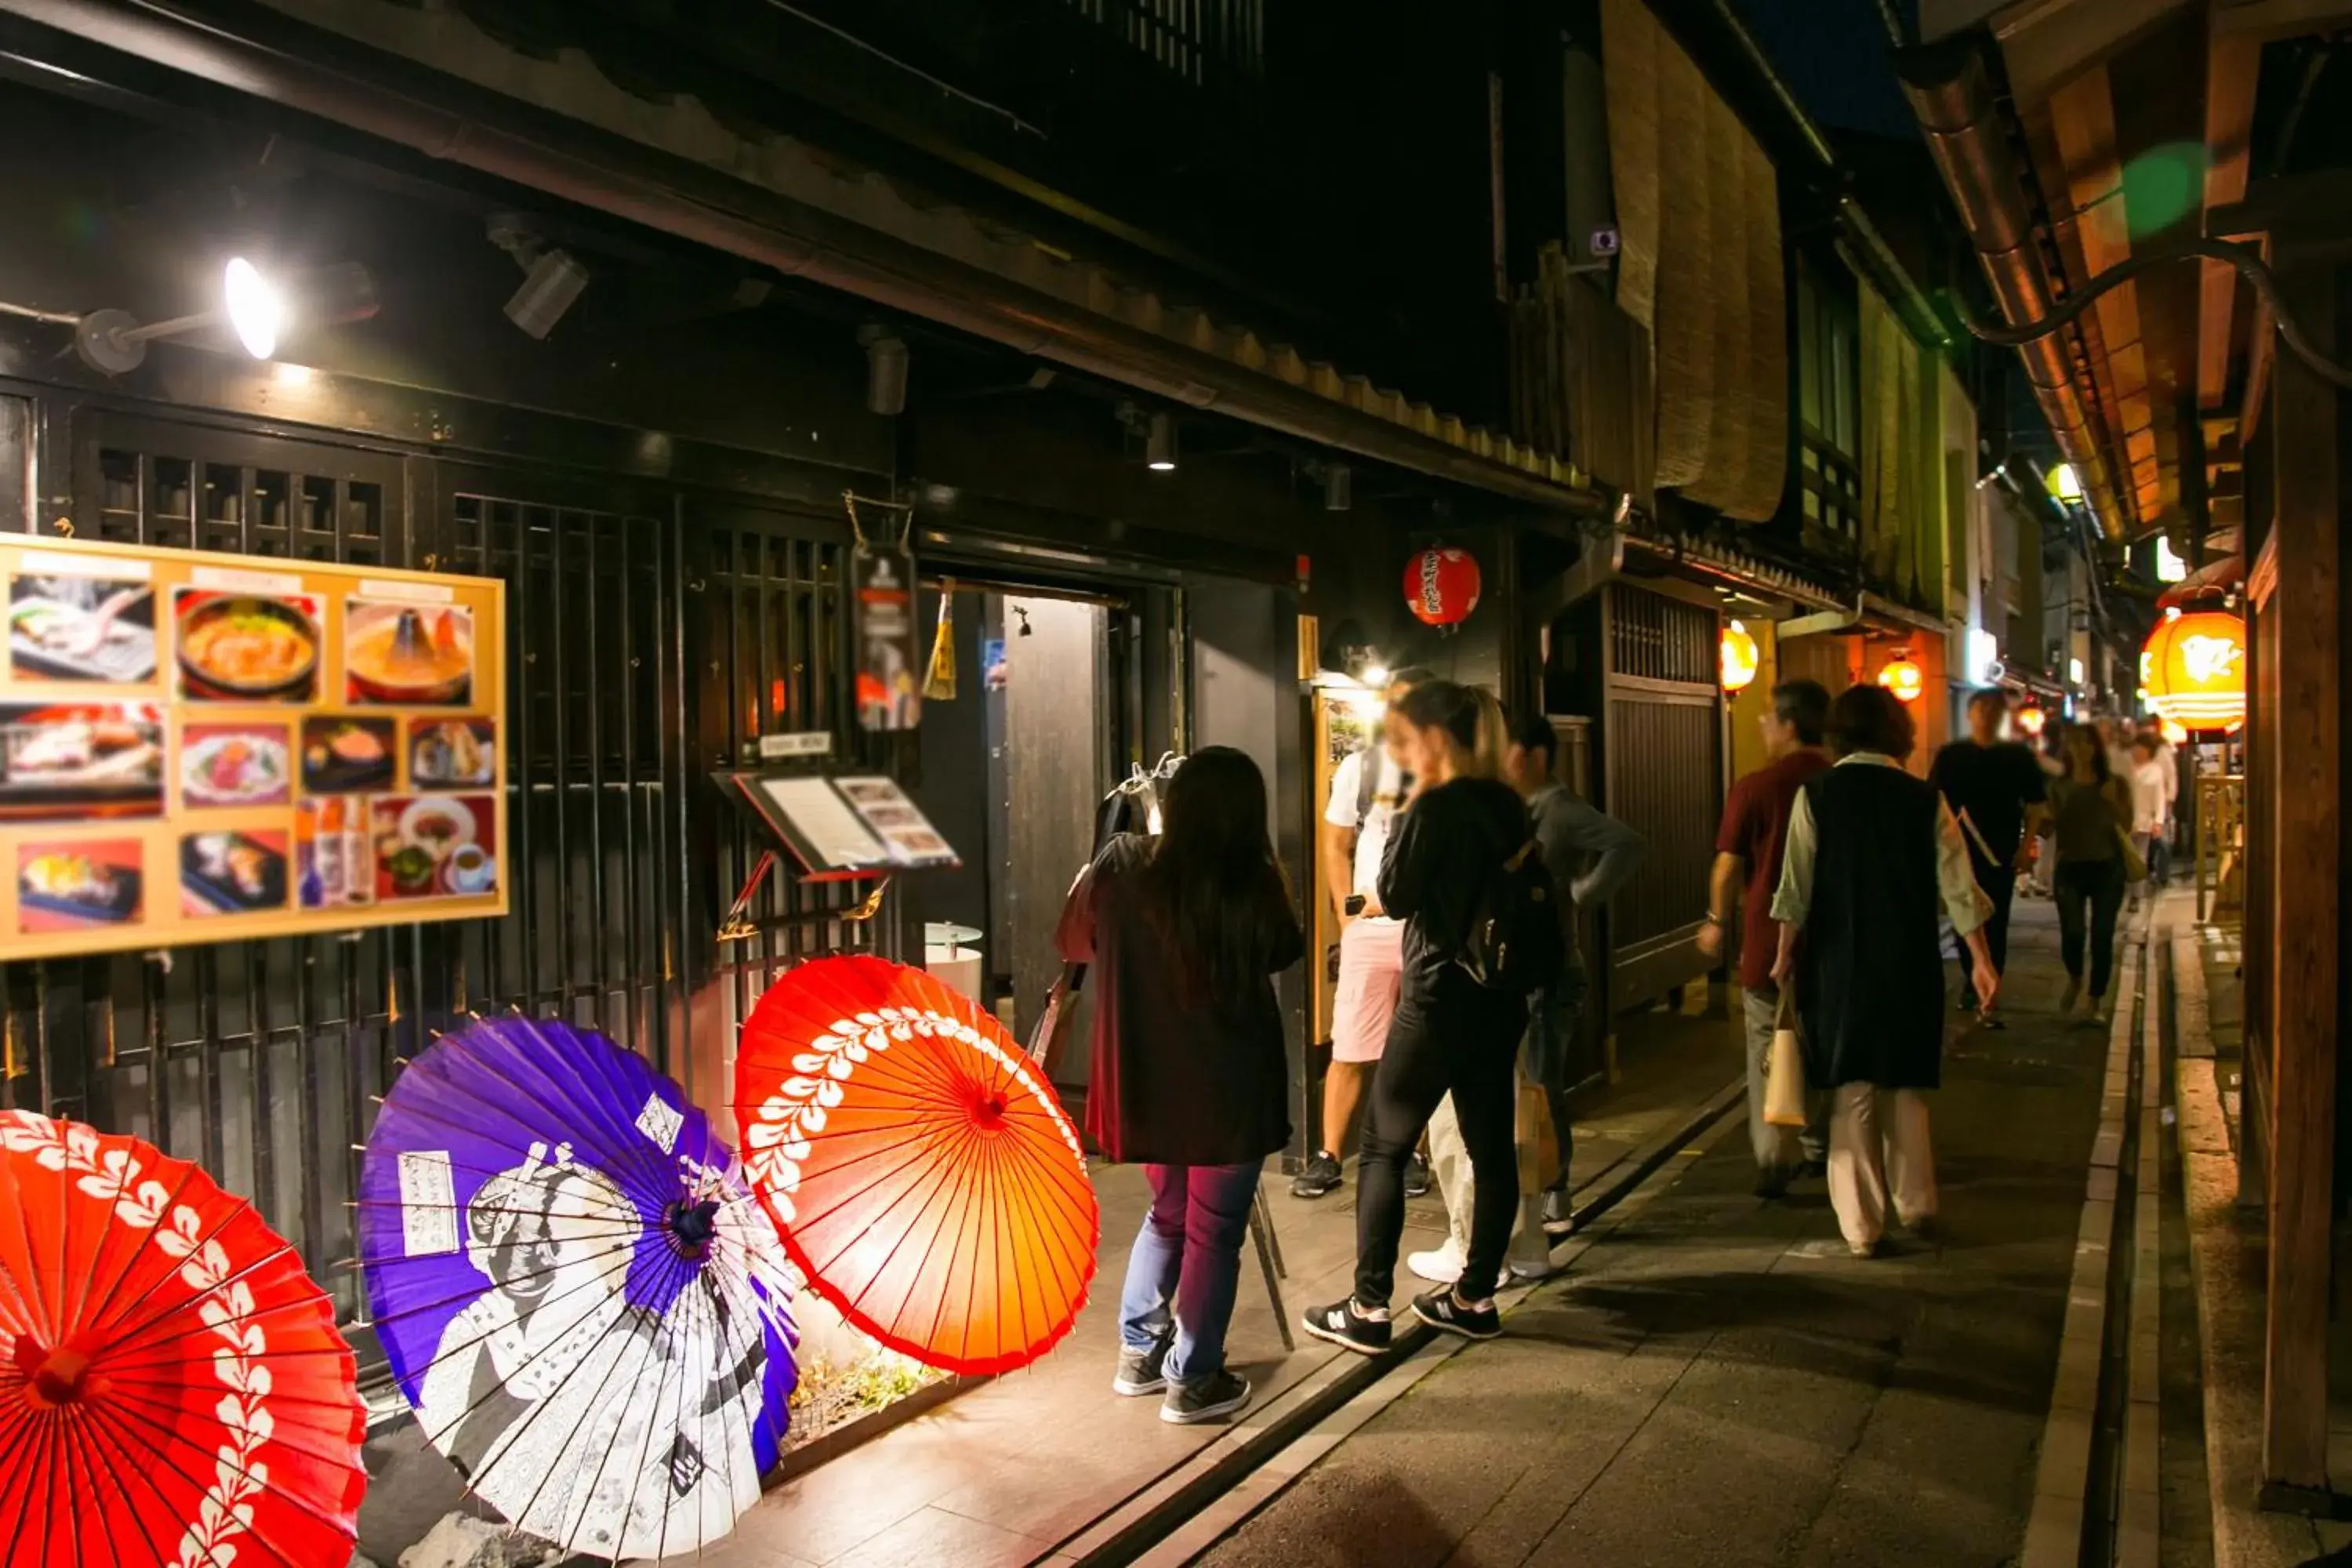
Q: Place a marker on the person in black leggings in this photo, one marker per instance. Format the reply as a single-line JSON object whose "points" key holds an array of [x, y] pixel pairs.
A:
{"points": [[2090, 812], [1451, 1035]]}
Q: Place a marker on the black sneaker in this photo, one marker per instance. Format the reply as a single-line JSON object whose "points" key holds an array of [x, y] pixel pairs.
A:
{"points": [[1343, 1325], [1444, 1310], [1210, 1398], [1416, 1177], [1320, 1176], [1142, 1372], [1814, 1170], [1772, 1181]]}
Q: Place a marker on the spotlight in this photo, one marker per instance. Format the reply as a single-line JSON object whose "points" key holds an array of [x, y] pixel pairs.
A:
{"points": [[1159, 445], [1338, 487], [885, 370], [552, 280]]}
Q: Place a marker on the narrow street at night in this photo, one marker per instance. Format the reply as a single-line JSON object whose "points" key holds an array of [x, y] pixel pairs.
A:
{"points": [[1716, 1382]]}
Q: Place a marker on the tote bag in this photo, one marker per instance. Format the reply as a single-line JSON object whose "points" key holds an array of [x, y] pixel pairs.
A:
{"points": [[1784, 1070]]}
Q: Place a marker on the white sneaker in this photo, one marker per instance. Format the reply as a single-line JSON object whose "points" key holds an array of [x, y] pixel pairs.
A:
{"points": [[1441, 1265], [1532, 1273]]}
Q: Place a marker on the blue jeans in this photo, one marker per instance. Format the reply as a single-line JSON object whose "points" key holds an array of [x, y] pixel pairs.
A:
{"points": [[1188, 1258]]}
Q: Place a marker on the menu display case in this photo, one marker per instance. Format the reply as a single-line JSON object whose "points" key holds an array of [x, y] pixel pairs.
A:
{"points": [[197, 747]]}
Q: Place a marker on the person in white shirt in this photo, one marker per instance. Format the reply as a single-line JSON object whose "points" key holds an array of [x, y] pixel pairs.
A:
{"points": [[1354, 834], [2151, 796]]}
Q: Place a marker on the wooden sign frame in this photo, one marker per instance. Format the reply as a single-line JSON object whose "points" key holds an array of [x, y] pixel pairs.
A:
{"points": [[197, 747]]}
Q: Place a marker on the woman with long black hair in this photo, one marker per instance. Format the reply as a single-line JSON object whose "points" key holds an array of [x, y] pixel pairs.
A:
{"points": [[1451, 1035], [1183, 934], [2090, 813]]}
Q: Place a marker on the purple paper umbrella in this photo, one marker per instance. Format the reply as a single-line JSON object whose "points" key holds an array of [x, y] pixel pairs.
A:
{"points": [[581, 1299]]}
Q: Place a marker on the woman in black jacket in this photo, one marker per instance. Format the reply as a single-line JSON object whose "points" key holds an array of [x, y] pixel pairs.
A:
{"points": [[1183, 934], [1451, 1035]]}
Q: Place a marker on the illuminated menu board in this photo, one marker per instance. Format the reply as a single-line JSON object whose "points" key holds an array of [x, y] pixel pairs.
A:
{"points": [[198, 747]]}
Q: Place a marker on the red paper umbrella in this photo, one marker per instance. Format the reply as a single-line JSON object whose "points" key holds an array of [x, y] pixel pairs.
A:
{"points": [[172, 1386], [923, 1174]]}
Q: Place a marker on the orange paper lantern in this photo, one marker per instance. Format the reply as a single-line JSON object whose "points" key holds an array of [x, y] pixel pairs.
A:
{"points": [[2031, 717], [2195, 666], [1904, 678], [1739, 658]]}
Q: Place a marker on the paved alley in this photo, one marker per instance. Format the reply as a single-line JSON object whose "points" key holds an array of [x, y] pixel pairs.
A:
{"points": [[1705, 1389]]}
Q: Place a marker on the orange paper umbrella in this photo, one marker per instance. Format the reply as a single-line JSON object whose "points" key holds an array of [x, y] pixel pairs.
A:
{"points": [[924, 1176]]}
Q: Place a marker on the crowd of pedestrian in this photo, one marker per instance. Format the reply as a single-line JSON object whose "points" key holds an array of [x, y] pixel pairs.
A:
{"points": [[1458, 861]]}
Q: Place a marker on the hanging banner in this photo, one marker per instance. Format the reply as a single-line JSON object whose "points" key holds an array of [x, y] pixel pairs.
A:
{"points": [[882, 577]]}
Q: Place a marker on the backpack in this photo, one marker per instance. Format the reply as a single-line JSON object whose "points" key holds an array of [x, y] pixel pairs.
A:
{"points": [[1515, 942]]}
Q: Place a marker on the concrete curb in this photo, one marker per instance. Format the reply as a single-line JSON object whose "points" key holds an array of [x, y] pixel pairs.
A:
{"points": [[2061, 1512]]}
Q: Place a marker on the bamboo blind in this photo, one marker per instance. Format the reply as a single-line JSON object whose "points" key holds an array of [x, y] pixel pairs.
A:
{"points": [[1700, 265]]}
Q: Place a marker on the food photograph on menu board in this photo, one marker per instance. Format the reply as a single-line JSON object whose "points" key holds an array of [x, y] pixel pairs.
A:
{"points": [[233, 872], [68, 627], [246, 647], [197, 747], [342, 755], [235, 764], [435, 845], [69, 762], [74, 884], [404, 654], [452, 754]]}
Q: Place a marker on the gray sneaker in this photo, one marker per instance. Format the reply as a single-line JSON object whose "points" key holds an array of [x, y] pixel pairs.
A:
{"points": [[1210, 1398], [1142, 1372]]}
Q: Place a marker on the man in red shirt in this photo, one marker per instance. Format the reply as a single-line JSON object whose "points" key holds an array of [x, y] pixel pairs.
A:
{"points": [[1748, 851]]}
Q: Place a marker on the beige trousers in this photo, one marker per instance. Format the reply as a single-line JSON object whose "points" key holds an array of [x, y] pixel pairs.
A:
{"points": [[1449, 1162], [1879, 1159]]}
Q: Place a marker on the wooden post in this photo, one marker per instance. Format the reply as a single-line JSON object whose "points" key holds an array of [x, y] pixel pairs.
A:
{"points": [[2307, 782]]}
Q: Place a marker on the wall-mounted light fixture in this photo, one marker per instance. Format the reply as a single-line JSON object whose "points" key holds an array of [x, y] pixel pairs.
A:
{"points": [[885, 370], [257, 307], [1338, 487], [552, 278], [1160, 444]]}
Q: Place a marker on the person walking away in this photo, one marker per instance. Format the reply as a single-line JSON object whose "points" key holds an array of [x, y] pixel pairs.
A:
{"points": [[2091, 809], [2150, 819], [1366, 790], [2168, 761], [1873, 856], [1999, 794], [1747, 848], [1451, 856], [1183, 934], [1590, 854]]}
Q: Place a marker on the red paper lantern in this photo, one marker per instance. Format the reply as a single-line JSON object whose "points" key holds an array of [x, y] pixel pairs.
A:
{"points": [[1440, 586], [2195, 666]]}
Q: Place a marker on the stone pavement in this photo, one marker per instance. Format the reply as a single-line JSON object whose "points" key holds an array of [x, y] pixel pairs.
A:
{"points": [[1704, 1390], [1014, 1471]]}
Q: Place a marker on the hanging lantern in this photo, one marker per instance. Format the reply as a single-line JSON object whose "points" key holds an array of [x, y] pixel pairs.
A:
{"points": [[1902, 678], [2196, 669], [1440, 586], [2031, 718], [1739, 658]]}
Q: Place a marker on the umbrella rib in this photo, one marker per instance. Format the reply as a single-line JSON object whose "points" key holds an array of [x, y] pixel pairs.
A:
{"points": [[575, 1517], [585, 1059], [124, 1420], [961, 1188], [84, 1309], [27, 1310], [127, 1511], [612, 1137]]}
